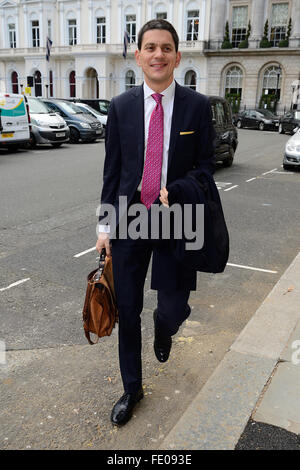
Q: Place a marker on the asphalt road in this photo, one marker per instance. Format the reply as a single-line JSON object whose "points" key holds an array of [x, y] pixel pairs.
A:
{"points": [[48, 215]]}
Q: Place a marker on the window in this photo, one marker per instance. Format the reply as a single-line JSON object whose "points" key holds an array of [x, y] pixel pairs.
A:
{"points": [[239, 25], [12, 35], [72, 29], [14, 82], [72, 83], [192, 25], [35, 31], [161, 16], [234, 81], [129, 79], [131, 27], [101, 30], [272, 81], [37, 83], [190, 79], [234, 87], [279, 20]]}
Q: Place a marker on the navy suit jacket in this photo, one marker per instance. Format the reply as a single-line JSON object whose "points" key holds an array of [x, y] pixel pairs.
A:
{"points": [[191, 141]]}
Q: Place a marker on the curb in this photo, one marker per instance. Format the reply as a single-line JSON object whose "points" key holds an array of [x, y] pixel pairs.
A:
{"points": [[218, 415]]}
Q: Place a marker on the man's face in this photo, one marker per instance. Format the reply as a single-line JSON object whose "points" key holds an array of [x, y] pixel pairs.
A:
{"points": [[158, 58]]}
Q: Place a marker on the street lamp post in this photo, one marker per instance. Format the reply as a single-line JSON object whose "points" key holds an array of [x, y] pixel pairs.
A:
{"points": [[277, 87]]}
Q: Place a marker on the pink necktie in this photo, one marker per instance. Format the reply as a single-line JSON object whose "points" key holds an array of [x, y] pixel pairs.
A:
{"points": [[154, 154]]}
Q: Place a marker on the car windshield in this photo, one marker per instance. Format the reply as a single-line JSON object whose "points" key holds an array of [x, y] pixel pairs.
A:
{"points": [[92, 110], [266, 112], [37, 107], [88, 110], [297, 115], [70, 108], [103, 106]]}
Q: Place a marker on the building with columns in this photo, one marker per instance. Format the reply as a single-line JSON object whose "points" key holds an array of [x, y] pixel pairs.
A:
{"points": [[87, 43]]}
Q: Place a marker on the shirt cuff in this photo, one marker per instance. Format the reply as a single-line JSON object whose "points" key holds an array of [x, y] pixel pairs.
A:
{"points": [[103, 228]]}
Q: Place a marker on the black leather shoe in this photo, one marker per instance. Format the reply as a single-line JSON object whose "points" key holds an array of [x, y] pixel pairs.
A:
{"points": [[162, 344], [122, 411]]}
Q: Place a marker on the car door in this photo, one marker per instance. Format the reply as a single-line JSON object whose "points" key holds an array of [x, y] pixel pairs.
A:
{"points": [[288, 122], [253, 120], [245, 119]]}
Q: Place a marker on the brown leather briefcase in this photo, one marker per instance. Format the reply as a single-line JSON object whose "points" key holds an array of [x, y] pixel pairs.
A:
{"points": [[100, 310]]}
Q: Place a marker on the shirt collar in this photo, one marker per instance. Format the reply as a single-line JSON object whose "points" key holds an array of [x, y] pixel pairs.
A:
{"points": [[168, 93]]}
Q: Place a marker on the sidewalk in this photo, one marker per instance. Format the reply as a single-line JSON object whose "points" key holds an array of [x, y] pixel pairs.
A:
{"points": [[60, 398], [259, 378]]}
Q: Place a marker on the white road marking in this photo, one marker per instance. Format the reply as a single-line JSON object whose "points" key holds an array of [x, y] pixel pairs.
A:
{"points": [[85, 252], [251, 179], [252, 268], [284, 172], [14, 284], [232, 187], [267, 172]]}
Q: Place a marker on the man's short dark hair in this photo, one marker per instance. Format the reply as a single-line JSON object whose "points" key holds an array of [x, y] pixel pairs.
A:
{"points": [[158, 24]]}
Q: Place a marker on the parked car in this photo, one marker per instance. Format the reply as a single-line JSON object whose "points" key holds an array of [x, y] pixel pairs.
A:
{"points": [[46, 127], [14, 121], [101, 117], [257, 119], [226, 133], [100, 105], [289, 122], [82, 125], [291, 156]]}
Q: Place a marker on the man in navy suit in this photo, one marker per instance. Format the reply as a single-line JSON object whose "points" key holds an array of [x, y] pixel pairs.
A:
{"points": [[156, 133]]}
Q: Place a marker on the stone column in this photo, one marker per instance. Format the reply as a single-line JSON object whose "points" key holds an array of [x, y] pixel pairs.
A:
{"points": [[120, 22], [62, 39], [217, 23], [107, 21], [26, 36], [78, 22], [41, 26], [150, 10], [171, 11], [295, 15], [257, 22], [3, 40], [92, 24], [181, 20], [138, 18]]}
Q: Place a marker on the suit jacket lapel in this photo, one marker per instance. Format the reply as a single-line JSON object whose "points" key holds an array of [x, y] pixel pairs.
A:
{"points": [[139, 121], [177, 119]]}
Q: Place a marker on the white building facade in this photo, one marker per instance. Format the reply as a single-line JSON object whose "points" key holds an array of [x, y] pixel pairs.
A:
{"points": [[87, 43]]}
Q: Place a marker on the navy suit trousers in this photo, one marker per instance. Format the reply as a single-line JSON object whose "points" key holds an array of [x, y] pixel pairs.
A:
{"points": [[130, 264]]}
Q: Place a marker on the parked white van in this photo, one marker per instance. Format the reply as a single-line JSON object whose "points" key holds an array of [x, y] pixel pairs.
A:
{"points": [[14, 120]]}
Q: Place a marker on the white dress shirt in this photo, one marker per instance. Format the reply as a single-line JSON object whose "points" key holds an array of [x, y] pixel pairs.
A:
{"points": [[167, 104], [149, 105]]}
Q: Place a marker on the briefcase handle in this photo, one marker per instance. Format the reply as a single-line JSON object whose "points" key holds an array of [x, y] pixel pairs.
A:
{"points": [[99, 272]]}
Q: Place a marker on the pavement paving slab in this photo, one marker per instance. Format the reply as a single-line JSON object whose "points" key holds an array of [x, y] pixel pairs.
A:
{"points": [[280, 403]]}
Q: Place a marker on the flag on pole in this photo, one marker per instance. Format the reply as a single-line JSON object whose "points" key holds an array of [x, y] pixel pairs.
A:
{"points": [[48, 48], [126, 42]]}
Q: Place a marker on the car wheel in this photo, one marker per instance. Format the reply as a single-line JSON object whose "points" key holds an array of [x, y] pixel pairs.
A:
{"points": [[261, 126], [74, 135], [239, 124], [56, 145], [229, 160], [280, 129]]}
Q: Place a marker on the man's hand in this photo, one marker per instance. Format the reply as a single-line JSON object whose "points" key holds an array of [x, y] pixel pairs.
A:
{"points": [[103, 242], [164, 197]]}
